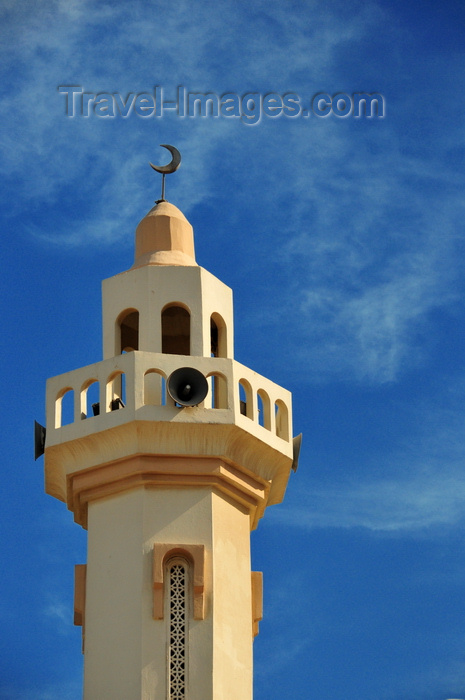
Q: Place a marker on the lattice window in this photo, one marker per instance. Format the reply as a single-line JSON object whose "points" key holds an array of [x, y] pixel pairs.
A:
{"points": [[177, 632]]}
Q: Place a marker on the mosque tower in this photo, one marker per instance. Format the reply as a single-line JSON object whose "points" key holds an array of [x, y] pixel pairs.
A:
{"points": [[168, 469]]}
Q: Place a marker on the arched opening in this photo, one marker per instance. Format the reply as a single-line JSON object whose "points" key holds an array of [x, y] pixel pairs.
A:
{"points": [[115, 391], [218, 390], [154, 388], [245, 398], [264, 409], [218, 337], [64, 407], [177, 615], [90, 399], [282, 420], [176, 330], [128, 323]]}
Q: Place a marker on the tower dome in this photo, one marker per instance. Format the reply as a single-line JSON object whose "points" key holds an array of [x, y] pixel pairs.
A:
{"points": [[164, 237]]}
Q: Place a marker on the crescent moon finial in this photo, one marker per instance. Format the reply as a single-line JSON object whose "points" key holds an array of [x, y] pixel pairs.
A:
{"points": [[169, 168], [173, 164]]}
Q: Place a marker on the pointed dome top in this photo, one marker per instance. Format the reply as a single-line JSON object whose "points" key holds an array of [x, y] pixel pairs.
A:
{"points": [[164, 237]]}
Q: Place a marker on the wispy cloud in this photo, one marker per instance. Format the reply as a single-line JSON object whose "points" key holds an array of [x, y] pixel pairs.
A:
{"points": [[417, 486], [44, 152], [368, 255], [389, 505], [363, 236], [59, 611], [422, 486]]}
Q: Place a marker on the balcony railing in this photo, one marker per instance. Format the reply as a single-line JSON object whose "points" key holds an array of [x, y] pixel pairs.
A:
{"points": [[133, 386]]}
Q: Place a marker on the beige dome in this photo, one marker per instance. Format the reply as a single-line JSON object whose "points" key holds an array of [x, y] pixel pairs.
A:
{"points": [[164, 237]]}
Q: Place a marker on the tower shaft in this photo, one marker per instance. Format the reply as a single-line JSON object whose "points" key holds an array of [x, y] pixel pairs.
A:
{"points": [[125, 647]]}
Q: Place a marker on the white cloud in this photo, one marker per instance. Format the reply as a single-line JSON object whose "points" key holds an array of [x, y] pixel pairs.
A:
{"points": [[368, 256], [419, 485], [389, 505], [69, 43], [367, 232], [59, 611]]}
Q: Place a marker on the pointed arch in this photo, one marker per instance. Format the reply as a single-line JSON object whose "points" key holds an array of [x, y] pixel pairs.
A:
{"points": [[264, 409], [115, 391], [195, 555], [282, 420], [155, 387], [176, 329], [177, 603], [64, 407], [90, 398], [246, 398], [127, 327], [218, 389], [218, 336]]}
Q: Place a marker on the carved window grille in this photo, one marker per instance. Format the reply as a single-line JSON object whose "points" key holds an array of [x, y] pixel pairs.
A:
{"points": [[177, 629]]}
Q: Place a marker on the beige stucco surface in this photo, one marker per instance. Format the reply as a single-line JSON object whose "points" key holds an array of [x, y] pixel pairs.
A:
{"points": [[141, 428], [164, 237], [150, 288], [125, 647]]}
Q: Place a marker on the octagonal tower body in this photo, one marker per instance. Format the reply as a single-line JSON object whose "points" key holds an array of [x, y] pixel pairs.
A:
{"points": [[167, 492]]}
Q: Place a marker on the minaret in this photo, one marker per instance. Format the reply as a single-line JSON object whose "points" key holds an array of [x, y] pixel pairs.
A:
{"points": [[169, 471]]}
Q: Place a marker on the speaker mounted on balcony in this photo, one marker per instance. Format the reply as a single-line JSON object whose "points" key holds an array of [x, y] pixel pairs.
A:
{"points": [[187, 386]]}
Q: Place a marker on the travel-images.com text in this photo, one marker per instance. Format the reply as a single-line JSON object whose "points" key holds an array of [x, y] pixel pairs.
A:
{"points": [[249, 107]]}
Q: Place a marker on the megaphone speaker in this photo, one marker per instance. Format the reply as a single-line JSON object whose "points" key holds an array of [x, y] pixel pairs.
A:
{"points": [[296, 444], [39, 440], [187, 386]]}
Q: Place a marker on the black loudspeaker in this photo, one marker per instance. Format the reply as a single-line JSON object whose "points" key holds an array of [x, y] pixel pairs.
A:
{"points": [[296, 444], [39, 440], [187, 386]]}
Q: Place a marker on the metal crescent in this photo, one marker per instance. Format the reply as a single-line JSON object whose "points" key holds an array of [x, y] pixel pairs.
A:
{"points": [[173, 165]]}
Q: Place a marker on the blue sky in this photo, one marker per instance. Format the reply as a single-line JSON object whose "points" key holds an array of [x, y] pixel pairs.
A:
{"points": [[343, 241]]}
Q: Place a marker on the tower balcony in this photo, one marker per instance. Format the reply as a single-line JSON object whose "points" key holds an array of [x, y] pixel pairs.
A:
{"points": [[245, 419]]}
